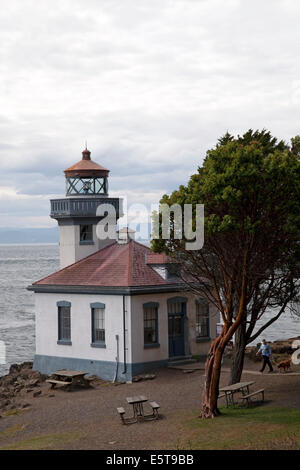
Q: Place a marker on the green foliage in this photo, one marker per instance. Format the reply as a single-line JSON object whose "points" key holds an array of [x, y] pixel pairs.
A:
{"points": [[249, 186]]}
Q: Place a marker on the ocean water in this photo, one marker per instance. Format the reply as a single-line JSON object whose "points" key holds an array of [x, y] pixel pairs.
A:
{"points": [[20, 265]]}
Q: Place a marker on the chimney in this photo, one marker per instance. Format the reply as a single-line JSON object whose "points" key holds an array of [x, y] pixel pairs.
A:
{"points": [[124, 235]]}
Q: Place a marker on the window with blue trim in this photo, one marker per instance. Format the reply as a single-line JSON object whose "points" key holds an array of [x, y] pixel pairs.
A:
{"points": [[64, 321], [202, 319], [86, 233], [98, 324], [150, 323]]}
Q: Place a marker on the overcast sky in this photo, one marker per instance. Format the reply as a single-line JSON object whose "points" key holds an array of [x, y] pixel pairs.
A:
{"points": [[151, 85]]}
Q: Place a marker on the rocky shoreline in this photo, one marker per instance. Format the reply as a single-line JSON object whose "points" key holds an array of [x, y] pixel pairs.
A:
{"points": [[281, 350], [21, 381]]}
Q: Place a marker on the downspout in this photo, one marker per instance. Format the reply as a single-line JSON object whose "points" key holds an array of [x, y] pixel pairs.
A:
{"points": [[117, 360], [124, 335]]}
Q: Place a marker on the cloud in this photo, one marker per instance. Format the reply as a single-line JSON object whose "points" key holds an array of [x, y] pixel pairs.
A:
{"points": [[150, 85]]}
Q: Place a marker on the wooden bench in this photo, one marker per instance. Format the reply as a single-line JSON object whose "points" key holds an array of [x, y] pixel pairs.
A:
{"points": [[57, 382], [155, 407], [124, 420], [121, 412], [250, 395]]}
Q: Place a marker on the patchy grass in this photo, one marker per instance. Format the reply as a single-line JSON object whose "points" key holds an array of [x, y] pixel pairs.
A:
{"points": [[13, 430], [16, 411], [249, 428], [49, 441]]}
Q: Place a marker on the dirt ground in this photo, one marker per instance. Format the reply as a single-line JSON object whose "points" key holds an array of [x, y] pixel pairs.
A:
{"points": [[87, 418]]}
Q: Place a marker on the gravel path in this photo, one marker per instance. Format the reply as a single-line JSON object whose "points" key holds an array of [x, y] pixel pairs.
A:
{"points": [[87, 419]]}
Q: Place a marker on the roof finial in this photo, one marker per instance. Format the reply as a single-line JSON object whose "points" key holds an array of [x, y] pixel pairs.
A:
{"points": [[86, 154]]}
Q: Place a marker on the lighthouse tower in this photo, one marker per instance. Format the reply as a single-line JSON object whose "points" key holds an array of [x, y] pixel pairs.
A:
{"points": [[76, 214]]}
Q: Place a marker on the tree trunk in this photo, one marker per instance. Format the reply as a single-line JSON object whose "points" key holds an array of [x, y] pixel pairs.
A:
{"points": [[212, 379], [214, 358], [238, 355]]}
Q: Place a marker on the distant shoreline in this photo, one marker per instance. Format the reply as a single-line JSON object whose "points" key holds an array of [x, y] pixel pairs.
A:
{"points": [[30, 244]]}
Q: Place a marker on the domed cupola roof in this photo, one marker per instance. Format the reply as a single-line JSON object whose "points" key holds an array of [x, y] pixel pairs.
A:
{"points": [[86, 167]]}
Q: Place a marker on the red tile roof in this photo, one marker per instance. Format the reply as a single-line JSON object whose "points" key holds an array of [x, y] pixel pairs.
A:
{"points": [[117, 265], [86, 167], [158, 258]]}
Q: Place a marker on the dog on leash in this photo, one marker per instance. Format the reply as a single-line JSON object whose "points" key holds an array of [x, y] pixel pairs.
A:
{"points": [[284, 365]]}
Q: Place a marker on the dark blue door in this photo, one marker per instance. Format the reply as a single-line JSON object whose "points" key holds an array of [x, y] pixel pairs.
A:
{"points": [[176, 314], [176, 335]]}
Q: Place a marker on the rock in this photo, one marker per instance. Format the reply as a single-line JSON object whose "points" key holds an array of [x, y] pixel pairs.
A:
{"points": [[138, 378], [37, 393], [14, 369], [32, 383], [25, 405], [27, 365], [7, 380], [4, 403]]}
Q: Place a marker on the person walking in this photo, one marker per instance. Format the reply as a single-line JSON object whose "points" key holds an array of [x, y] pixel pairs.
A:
{"points": [[265, 351]]}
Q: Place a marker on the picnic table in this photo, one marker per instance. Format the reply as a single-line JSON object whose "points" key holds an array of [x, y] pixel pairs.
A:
{"points": [[68, 378], [137, 405], [230, 390]]}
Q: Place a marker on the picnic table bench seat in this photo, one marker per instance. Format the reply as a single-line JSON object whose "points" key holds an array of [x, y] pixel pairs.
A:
{"points": [[250, 395], [155, 407], [121, 412], [57, 382], [124, 419]]}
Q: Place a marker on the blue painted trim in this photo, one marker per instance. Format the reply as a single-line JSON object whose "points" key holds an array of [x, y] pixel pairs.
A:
{"points": [[203, 339], [152, 345], [98, 345], [147, 305], [63, 303], [103, 369], [204, 302], [97, 305], [64, 342], [142, 367], [94, 305], [173, 300], [86, 242], [151, 305]]}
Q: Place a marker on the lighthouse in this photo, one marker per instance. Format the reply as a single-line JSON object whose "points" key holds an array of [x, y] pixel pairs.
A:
{"points": [[115, 308], [76, 214]]}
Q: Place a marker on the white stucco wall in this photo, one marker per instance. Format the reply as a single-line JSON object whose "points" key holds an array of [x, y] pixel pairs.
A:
{"points": [[66, 245], [70, 248], [47, 326], [141, 354]]}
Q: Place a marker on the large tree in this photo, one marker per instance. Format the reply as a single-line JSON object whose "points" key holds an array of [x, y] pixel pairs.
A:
{"points": [[275, 296], [249, 186]]}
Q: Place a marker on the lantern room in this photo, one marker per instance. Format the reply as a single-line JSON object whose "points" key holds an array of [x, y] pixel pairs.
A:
{"points": [[86, 178]]}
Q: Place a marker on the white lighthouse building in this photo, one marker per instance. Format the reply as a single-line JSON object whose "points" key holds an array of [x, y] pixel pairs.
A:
{"points": [[76, 214], [114, 309]]}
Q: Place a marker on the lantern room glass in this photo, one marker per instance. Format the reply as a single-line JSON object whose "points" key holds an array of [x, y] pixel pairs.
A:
{"points": [[86, 186]]}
